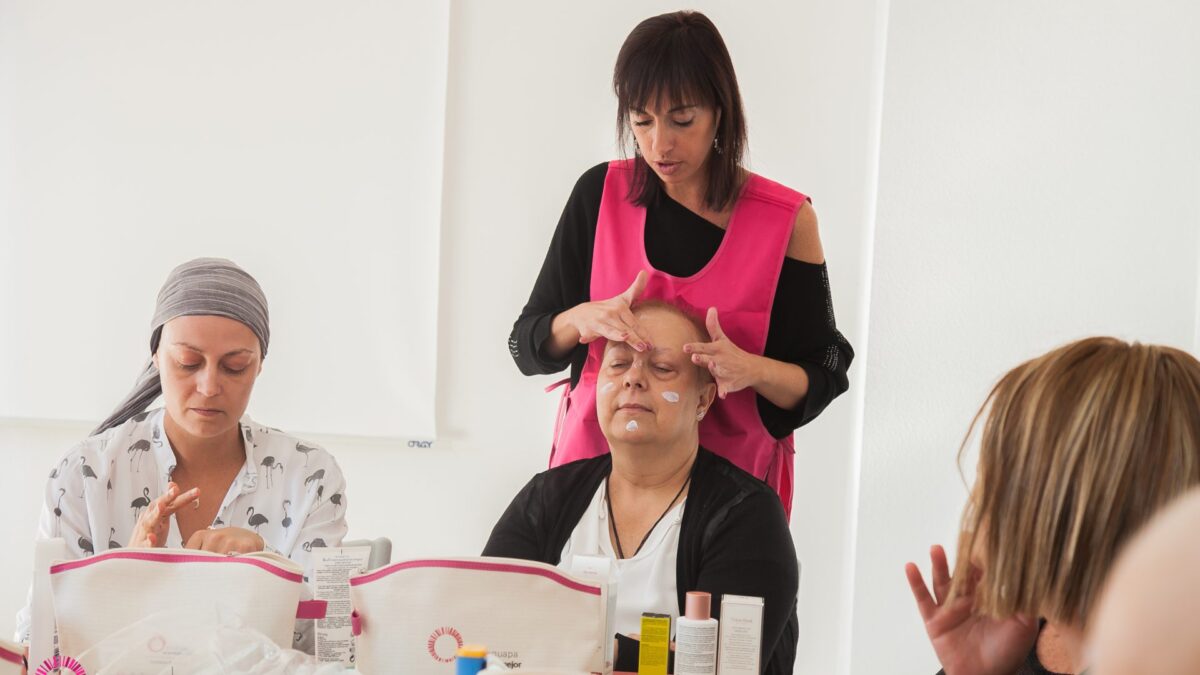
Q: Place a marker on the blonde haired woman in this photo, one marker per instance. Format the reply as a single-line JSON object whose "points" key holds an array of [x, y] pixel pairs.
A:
{"points": [[1080, 447]]}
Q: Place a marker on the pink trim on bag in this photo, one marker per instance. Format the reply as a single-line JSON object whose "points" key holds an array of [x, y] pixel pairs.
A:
{"points": [[312, 609], [471, 565], [356, 623], [162, 557], [12, 657]]}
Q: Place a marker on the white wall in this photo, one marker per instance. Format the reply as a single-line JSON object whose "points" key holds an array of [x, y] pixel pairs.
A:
{"points": [[1038, 175], [1038, 181], [143, 133]]}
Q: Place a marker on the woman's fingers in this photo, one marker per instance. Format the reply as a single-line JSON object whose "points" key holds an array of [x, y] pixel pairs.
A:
{"points": [[610, 331], [190, 497], [940, 573], [615, 330], [635, 289], [701, 348], [196, 541], [637, 334], [713, 325], [925, 602]]}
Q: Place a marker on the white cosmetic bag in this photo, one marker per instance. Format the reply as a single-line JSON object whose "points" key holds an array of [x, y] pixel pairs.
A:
{"points": [[411, 617], [12, 658], [97, 596]]}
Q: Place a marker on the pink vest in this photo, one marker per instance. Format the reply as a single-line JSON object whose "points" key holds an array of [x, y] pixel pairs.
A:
{"points": [[739, 281]]}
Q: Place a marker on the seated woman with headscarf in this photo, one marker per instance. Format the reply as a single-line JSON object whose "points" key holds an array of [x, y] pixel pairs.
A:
{"points": [[673, 516], [197, 473], [1081, 446]]}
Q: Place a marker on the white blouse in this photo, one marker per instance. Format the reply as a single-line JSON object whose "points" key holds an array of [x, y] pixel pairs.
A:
{"points": [[290, 492], [646, 581]]}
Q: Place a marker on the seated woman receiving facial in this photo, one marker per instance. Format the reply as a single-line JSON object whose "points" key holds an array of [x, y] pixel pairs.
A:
{"points": [[197, 473], [674, 516], [1081, 447]]}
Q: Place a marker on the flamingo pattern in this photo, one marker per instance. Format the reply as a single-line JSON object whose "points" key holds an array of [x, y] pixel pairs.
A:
{"points": [[61, 465], [140, 503], [287, 520], [304, 450], [58, 507], [138, 449], [86, 472], [271, 465], [256, 520]]}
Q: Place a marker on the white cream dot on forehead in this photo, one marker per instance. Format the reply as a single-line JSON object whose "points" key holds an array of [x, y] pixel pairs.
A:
{"points": [[607, 387], [671, 396], [632, 426]]}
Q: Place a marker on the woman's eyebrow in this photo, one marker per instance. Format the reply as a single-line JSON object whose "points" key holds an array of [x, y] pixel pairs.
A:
{"points": [[201, 351]]}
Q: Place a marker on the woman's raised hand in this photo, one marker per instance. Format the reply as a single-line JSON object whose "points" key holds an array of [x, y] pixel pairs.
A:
{"points": [[611, 319], [965, 642], [733, 368], [155, 522]]}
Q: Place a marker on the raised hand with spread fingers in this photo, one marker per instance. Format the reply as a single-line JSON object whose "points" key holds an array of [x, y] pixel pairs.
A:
{"points": [[967, 643]]}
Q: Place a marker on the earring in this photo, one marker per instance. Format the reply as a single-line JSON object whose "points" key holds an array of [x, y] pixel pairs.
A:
{"points": [[716, 145], [700, 415]]}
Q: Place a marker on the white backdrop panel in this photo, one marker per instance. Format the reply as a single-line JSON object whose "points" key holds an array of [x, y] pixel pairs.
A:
{"points": [[302, 139]]}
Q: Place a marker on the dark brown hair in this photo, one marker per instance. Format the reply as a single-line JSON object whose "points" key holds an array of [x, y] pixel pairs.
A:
{"points": [[681, 57]]}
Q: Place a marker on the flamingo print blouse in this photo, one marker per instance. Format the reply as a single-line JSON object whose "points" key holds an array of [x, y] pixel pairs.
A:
{"points": [[290, 492]]}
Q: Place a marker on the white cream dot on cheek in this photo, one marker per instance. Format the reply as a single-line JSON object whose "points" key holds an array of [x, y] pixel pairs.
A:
{"points": [[632, 426], [607, 387], [671, 396]]}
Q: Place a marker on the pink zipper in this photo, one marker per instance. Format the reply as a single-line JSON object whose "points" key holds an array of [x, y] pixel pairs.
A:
{"points": [[12, 657], [475, 565], [170, 558]]}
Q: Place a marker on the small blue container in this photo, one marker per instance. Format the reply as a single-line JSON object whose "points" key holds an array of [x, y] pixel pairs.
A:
{"points": [[470, 660]]}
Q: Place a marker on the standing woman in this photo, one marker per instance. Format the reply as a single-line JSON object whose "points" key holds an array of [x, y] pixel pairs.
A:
{"points": [[197, 473], [684, 221]]}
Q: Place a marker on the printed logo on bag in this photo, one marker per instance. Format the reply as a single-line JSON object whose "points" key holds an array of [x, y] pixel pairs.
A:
{"points": [[59, 663], [443, 644]]}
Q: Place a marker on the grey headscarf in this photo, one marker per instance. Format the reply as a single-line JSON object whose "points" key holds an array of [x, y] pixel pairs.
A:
{"points": [[204, 286]]}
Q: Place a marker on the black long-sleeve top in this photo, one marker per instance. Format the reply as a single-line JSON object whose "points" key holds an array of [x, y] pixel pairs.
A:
{"points": [[733, 538], [679, 242]]}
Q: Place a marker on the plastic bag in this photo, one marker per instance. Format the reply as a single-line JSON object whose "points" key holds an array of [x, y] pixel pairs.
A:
{"points": [[203, 642]]}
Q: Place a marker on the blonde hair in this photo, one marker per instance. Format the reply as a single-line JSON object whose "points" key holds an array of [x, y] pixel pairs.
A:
{"points": [[1080, 447]]}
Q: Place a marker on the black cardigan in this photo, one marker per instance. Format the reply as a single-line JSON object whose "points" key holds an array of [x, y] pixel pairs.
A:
{"points": [[734, 538]]}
